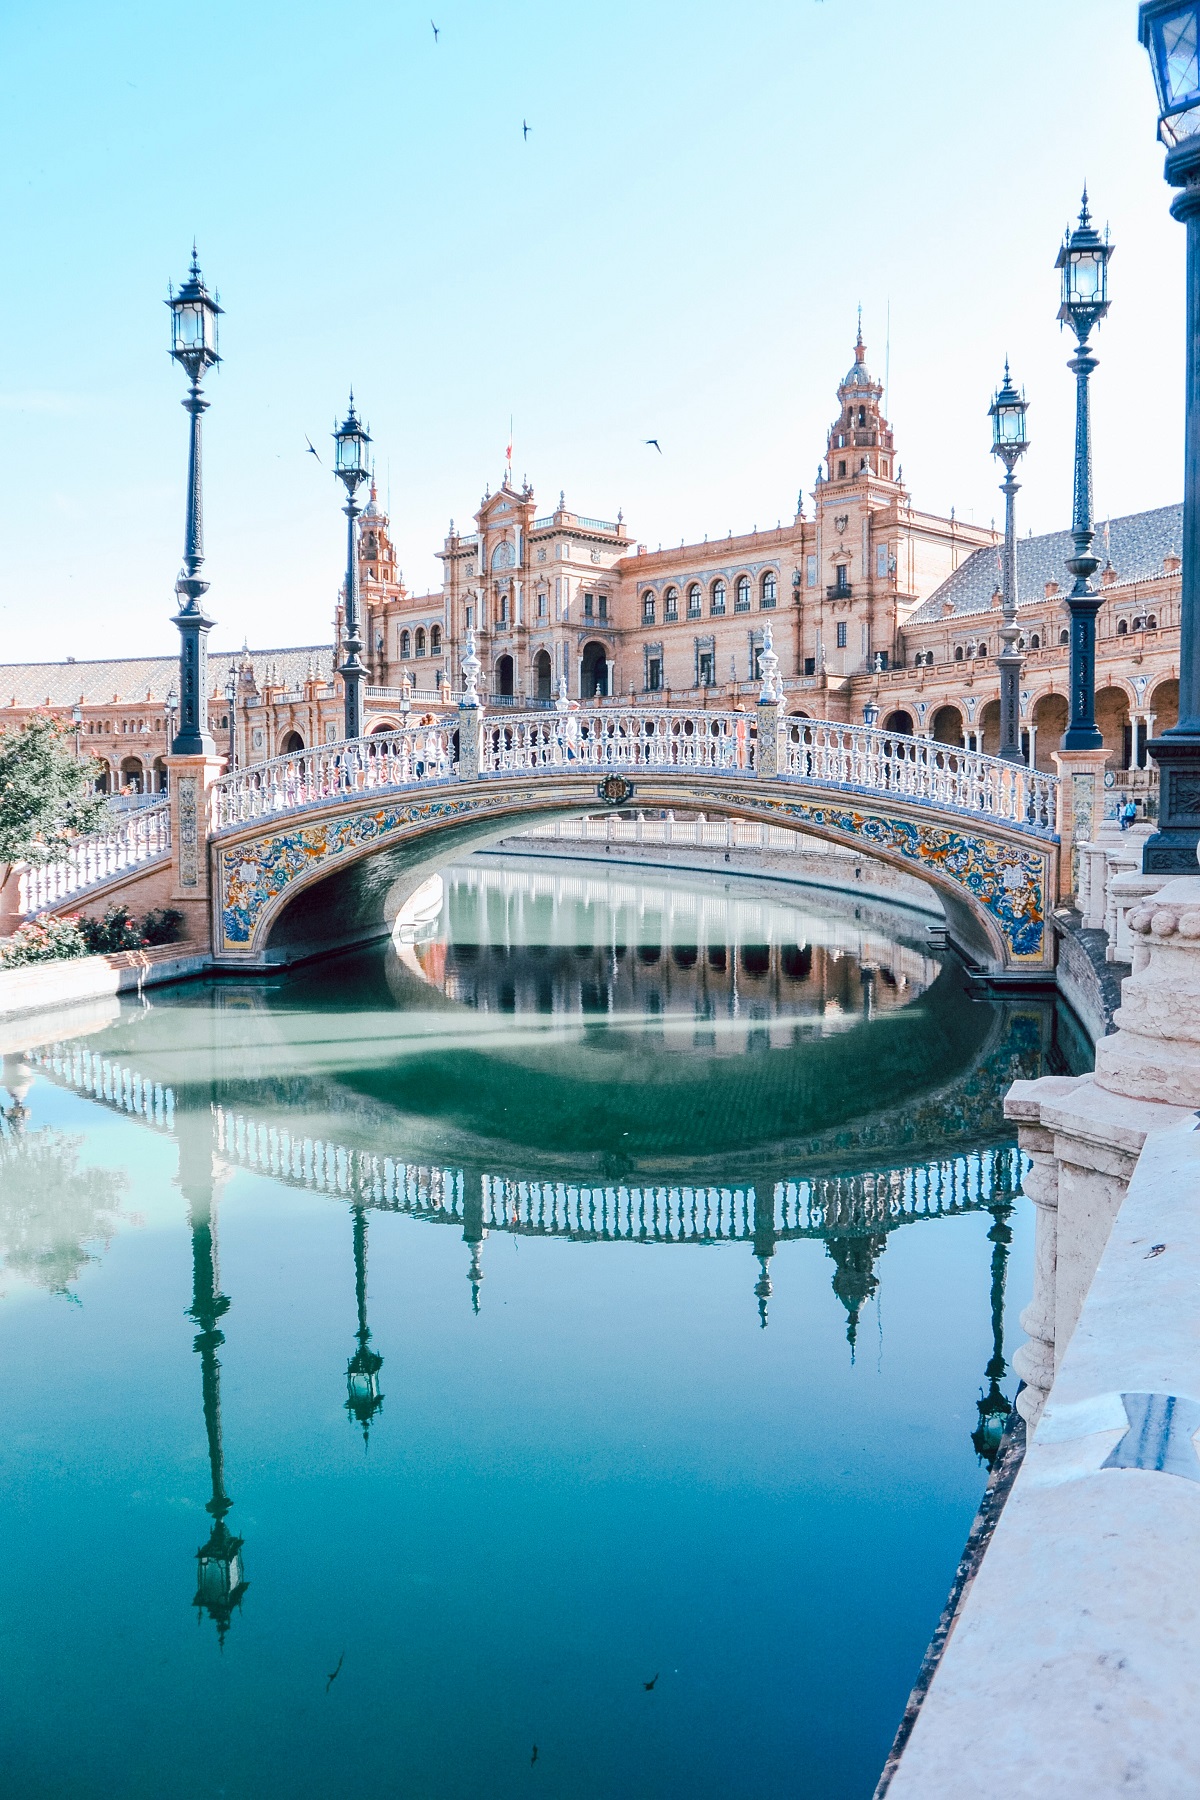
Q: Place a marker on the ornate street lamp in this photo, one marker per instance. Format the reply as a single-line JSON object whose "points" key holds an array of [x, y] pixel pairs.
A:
{"points": [[870, 715], [231, 694], [1009, 442], [351, 440], [1171, 34], [194, 315], [1083, 260], [77, 722]]}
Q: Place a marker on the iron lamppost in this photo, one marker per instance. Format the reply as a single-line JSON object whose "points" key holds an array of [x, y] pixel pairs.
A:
{"points": [[1083, 260], [1009, 442], [194, 315], [351, 441], [231, 694], [1171, 34]]}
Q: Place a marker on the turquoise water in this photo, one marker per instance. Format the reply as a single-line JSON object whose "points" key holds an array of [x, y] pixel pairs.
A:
{"points": [[574, 1327]]}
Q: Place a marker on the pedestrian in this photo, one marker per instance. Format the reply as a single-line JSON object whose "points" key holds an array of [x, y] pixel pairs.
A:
{"points": [[1128, 813]]}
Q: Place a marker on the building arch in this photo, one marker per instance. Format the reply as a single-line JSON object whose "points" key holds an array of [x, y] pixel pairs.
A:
{"points": [[543, 676], [159, 775], [593, 674], [769, 588], [133, 775], [989, 728], [504, 676], [405, 645], [1112, 722], [717, 598], [291, 743], [377, 726], [1164, 704], [899, 722], [948, 727], [1051, 716]]}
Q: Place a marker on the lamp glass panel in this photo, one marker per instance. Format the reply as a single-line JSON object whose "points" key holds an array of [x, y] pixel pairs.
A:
{"points": [[1085, 273], [1179, 68], [1011, 421], [189, 323]]}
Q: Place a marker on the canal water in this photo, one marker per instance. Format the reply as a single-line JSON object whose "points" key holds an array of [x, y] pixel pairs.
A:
{"points": [[556, 1352]]}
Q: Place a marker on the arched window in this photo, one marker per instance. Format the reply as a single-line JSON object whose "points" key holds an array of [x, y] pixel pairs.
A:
{"points": [[694, 600], [648, 607], [770, 587], [671, 603], [1021, 643], [862, 416], [1152, 623], [718, 597], [1064, 637], [420, 640], [435, 640], [1139, 624], [958, 654], [1035, 642], [405, 644], [982, 650], [742, 602]]}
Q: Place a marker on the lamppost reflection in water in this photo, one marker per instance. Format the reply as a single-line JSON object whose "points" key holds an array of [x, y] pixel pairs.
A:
{"points": [[219, 1581], [994, 1407], [363, 1398]]}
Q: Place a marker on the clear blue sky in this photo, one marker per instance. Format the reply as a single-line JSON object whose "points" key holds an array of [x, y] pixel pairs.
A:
{"points": [[706, 194]]}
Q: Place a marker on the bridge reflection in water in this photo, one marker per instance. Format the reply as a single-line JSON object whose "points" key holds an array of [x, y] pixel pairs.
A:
{"points": [[549, 956]]}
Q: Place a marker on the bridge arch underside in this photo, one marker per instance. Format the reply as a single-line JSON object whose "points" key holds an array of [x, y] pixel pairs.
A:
{"points": [[301, 885]]}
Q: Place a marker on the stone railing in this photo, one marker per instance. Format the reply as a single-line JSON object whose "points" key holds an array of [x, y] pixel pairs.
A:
{"points": [[125, 843], [884, 762], [388, 759], [630, 738]]}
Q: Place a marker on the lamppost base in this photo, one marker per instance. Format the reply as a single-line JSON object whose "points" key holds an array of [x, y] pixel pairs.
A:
{"points": [[1173, 848]]}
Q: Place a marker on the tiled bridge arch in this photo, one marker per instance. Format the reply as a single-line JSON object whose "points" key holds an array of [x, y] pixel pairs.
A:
{"points": [[313, 851]]}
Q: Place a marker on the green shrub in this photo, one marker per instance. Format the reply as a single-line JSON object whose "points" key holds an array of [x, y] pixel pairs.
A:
{"points": [[44, 940], [47, 939], [163, 926]]}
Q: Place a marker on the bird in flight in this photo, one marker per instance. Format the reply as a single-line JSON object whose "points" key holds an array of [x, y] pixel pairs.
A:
{"points": [[653, 441], [341, 1659], [524, 130], [649, 1684], [311, 451], [436, 33]]}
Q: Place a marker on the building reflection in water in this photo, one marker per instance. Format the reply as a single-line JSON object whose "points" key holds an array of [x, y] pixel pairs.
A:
{"points": [[748, 970], [220, 1584]]}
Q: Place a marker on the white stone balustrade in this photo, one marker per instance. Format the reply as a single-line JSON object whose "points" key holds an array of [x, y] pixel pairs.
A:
{"points": [[627, 738], [883, 762], [125, 842], [387, 759]]}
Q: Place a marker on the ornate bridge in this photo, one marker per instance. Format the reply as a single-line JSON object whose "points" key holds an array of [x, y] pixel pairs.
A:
{"points": [[317, 850]]}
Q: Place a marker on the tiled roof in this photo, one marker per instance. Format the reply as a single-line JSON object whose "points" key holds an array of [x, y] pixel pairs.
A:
{"points": [[1135, 546], [135, 679]]}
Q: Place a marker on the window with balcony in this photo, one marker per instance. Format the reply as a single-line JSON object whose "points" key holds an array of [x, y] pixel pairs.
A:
{"points": [[603, 606], [694, 601], [704, 668], [647, 608], [770, 587], [718, 599], [406, 644], [589, 606], [654, 673], [420, 640], [671, 604], [742, 600], [435, 640]]}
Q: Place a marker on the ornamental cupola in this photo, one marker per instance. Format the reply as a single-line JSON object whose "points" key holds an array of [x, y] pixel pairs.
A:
{"points": [[860, 440], [376, 553]]}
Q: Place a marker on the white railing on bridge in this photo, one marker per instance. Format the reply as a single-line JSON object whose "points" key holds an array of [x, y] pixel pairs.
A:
{"points": [[883, 762], [630, 738], [387, 759], [125, 842]]}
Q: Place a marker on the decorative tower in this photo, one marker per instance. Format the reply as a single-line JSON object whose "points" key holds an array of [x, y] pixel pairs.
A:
{"points": [[855, 1280], [860, 439]]}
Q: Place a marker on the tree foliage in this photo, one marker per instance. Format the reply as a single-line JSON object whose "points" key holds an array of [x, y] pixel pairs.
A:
{"points": [[45, 793]]}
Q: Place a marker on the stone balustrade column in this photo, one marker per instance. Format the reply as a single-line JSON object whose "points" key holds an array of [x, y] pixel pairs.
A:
{"points": [[1080, 815], [1034, 1362], [470, 735], [767, 758]]}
